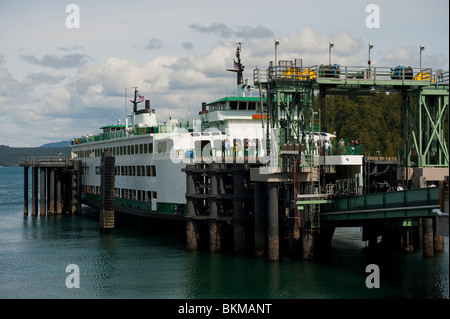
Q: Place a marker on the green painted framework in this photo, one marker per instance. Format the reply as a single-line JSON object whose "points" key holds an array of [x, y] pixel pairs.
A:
{"points": [[426, 119], [413, 203]]}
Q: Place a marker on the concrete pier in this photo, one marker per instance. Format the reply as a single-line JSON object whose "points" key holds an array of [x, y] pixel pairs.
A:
{"points": [[52, 180]]}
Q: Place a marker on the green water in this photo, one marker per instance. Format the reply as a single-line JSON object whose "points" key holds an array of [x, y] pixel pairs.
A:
{"points": [[134, 263]]}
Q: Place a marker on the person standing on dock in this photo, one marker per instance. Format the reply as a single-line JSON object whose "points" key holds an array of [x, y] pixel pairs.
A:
{"points": [[327, 147]]}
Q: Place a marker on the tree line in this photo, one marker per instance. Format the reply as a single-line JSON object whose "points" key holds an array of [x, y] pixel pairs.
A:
{"points": [[12, 156], [375, 121]]}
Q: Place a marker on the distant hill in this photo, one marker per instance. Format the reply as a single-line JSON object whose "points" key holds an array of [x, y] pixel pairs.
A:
{"points": [[57, 144], [12, 156]]}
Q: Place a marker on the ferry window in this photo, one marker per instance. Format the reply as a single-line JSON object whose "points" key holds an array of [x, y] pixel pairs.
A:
{"points": [[233, 105], [97, 170], [242, 105], [162, 146], [150, 148], [147, 170], [169, 145], [141, 149], [155, 195], [136, 149], [252, 106], [149, 195], [153, 170], [128, 150], [145, 148]]}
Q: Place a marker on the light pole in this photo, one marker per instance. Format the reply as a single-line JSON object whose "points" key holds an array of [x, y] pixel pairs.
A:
{"points": [[370, 48], [330, 45], [276, 45], [422, 47]]}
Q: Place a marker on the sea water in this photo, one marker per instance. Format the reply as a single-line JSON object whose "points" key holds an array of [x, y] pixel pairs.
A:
{"points": [[67, 257]]}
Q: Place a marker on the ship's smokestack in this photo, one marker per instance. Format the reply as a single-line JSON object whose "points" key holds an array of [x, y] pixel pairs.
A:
{"points": [[147, 104]]}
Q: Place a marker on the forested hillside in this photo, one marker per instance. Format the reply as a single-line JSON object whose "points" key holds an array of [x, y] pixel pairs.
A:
{"points": [[12, 156], [375, 121]]}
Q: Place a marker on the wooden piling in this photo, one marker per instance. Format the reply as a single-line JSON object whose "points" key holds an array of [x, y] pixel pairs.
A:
{"points": [[51, 191], [107, 195], [34, 195], [273, 237], [239, 215], [191, 229], [25, 190], [428, 242], [59, 200], [259, 199], [214, 233], [43, 191]]}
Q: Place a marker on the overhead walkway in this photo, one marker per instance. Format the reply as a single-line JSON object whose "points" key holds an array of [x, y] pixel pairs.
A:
{"points": [[414, 203]]}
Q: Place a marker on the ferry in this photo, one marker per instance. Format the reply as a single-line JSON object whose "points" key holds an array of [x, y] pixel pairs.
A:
{"points": [[150, 156]]}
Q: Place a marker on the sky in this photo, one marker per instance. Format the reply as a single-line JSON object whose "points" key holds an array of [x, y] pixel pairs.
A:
{"points": [[64, 73]]}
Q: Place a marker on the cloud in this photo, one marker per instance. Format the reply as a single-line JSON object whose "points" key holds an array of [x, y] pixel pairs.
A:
{"points": [[67, 61], [42, 78], [216, 28], [224, 31], [257, 32], [188, 45], [71, 48], [93, 94], [153, 44], [1, 59]]}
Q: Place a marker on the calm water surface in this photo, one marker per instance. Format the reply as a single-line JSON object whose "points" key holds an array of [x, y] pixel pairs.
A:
{"points": [[133, 263]]}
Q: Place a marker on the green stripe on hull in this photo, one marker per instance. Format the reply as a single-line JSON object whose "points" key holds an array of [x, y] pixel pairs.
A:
{"points": [[169, 208]]}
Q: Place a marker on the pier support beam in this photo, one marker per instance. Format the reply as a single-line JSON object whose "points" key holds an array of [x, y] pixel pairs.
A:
{"points": [[25, 190], [107, 196], [428, 242], [43, 191], [239, 195], [259, 219], [191, 229], [51, 191], [75, 202], [273, 237], [214, 231], [59, 203], [34, 195]]}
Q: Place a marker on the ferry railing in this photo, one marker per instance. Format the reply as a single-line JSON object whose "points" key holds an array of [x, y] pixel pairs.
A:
{"points": [[44, 159], [348, 74], [442, 77]]}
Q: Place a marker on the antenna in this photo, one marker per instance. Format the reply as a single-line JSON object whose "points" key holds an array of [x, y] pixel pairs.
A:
{"points": [[135, 102], [238, 67]]}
